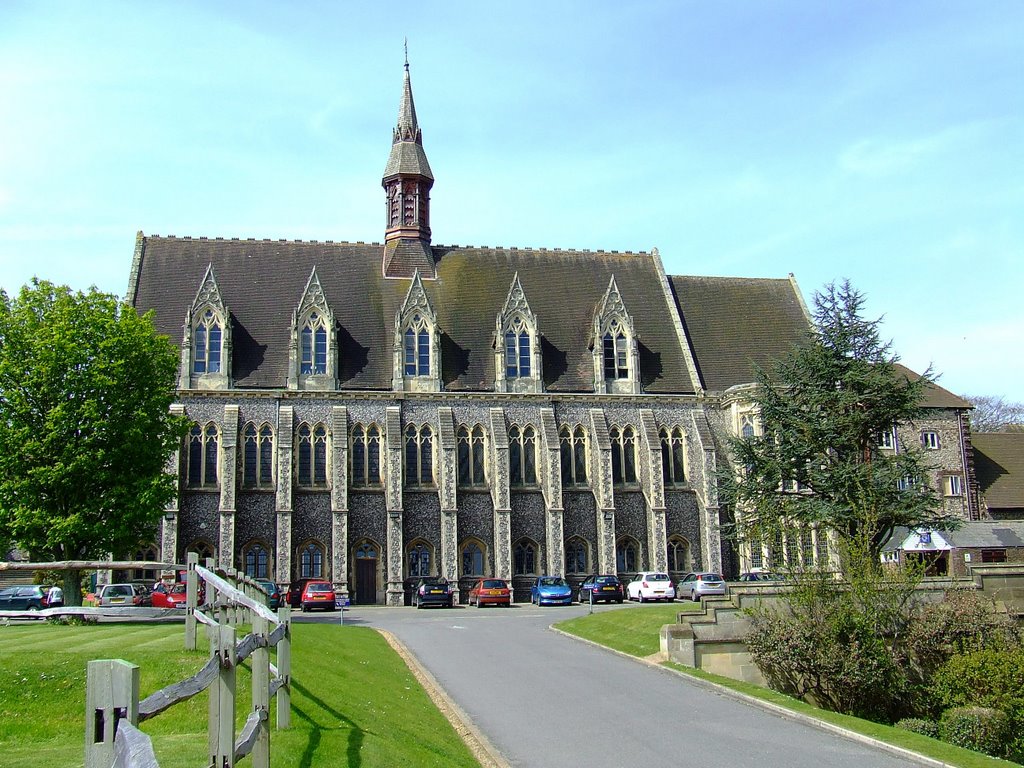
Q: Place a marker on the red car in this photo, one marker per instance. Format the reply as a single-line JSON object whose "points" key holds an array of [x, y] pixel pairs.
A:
{"points": [[490, 592], [318, 594], [168, 595]]}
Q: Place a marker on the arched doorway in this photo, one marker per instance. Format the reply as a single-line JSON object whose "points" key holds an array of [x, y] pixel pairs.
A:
{"points": [[367, 557]]}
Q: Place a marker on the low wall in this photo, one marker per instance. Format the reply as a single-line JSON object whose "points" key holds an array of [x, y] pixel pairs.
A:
{"points": [[714, 640]]}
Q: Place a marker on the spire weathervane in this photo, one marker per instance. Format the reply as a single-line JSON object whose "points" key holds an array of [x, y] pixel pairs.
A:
{"points": [[407, 54]]}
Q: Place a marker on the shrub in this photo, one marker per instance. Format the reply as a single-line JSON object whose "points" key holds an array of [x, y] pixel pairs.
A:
{"points": [[979, 728], [917, 725]]}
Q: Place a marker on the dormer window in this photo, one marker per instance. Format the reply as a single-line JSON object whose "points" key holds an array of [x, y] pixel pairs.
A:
{"points": [[614, 344], [517, 358], [314, 345], [207, 335], [616, 353], [517, 351], [417, 348]]}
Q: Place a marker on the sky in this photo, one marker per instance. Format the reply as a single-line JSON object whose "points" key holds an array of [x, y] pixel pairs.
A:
{"points": [[877, 142]]}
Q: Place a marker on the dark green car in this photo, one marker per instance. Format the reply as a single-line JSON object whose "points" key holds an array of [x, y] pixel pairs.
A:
{"points": [[273, 593], [22, 598]]}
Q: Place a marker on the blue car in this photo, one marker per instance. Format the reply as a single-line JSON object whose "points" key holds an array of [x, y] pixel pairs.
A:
{"points": [[551, 590]]}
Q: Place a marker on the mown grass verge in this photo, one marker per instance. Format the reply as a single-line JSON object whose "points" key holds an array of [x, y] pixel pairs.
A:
{"points": [[354, 702], [636, 632]]}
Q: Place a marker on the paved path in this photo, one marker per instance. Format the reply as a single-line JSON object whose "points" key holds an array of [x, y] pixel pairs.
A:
{"points": [[546, 700]]}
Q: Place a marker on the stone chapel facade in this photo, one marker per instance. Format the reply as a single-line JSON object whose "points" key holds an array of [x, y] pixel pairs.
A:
{"points": [[369, 413]]}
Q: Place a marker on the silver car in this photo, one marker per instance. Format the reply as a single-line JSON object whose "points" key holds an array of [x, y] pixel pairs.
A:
{"points": [[121, 595], [696, 585]]}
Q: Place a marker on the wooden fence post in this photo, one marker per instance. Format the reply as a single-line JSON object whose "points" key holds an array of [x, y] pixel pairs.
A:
{"points": [[261, 692], [111, 695], [284, 669], [191, 599], [222, 726], [209, 593]]}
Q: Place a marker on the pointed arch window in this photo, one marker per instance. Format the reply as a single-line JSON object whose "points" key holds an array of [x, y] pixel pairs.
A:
{"points": [[257, 456], [678, 554], [419, 556], [313, 345], [623, 455], [365, 456], [627, 558], [747, 429], [524, 558], [616, 352], [204, 551], [673, 460], [522, 455], [472, 558], [417, 347], [311, 561], [577, 556], [203, 454], [518, 352], [471, 456], [207, 339], [572, 444], [256, 557], [312, 456], [419, 456]]}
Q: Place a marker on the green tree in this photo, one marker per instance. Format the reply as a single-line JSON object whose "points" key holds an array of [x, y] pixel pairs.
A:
{"points": [[86, 386], [817, 459]]}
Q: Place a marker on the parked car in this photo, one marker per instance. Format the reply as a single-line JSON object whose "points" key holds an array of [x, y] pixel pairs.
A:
{"points": [[145, 589], [318, 595], [490, 592], [120, 595], [761, 576], [651, 585], [293, 596], [606, 587], [273, 593], [32, 598], [553, 590], [696, 585], [168, 595], [433, 590]]}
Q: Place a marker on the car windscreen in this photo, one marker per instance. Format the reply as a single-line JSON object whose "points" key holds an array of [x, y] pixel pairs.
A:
{"points": [[710, 577], [178, 589], [319, 588], [494, 584], [552, 582], [117, 590], [607, 580], [657, 577]]}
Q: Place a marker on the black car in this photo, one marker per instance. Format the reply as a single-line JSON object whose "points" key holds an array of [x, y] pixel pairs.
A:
{"points": [[606, 587], [22, 598], [433, 590]]}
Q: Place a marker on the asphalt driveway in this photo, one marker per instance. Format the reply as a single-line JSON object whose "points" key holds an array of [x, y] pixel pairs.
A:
{"points": [[547, 700]]}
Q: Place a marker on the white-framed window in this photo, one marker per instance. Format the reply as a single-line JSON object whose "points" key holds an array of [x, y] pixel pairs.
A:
{"points": [[313, 345], [623, 455], [887, 439], [257, 456], [470, 444], [522, 455], [572, 444], [312, 455], [419, 456], [673, 459], [311, 561], [365, 456], [203, 455], [953, 485], [930, 440], [207, 338]]}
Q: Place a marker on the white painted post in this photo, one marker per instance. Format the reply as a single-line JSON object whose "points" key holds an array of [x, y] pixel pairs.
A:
{"points": [[191, 599], [261, 692], [213, 708], [111, 695], [224, 725], [209, 593], [284, 669]]}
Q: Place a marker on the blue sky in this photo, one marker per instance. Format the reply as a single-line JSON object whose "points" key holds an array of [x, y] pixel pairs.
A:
{"points": [[880, 142]]}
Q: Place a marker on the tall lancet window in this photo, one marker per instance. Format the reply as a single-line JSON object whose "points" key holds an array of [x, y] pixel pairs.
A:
{"points": [[313, 355], [207, 335], [417, 363], [517, 351], [616, 352], [517, 357], [616, 359], [314, 345], [417, 348]]}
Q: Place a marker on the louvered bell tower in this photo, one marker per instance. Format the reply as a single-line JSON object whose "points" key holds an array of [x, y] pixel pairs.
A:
{"points": [[407, 182]]}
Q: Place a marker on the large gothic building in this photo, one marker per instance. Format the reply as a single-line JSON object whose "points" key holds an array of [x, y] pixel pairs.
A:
{"points": [[369, 413]]}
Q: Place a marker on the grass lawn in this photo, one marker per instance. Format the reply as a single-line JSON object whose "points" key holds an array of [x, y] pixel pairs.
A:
{"points": [[354, 702], [636, 631]]}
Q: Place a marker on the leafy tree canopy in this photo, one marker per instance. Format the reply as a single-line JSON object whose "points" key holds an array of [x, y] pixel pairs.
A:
{"points": [[86, 386], [816, 459]]}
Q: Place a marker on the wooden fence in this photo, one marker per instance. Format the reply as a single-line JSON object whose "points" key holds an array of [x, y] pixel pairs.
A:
{"points": [[113, 709]]}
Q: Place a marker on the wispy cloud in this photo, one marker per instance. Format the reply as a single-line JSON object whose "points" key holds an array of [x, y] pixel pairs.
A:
{"points": [[876, 157]]}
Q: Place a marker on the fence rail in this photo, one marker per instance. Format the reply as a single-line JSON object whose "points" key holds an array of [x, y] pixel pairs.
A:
{"points": [[113, 709]]}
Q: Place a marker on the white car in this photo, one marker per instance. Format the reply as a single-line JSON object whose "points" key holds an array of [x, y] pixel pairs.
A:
{"points": [[651, 585]]}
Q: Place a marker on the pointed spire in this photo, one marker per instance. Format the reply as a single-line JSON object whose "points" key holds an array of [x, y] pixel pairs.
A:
{"points": [[408, 128], [407, 155]]}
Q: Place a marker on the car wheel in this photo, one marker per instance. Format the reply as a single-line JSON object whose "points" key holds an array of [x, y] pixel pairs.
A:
{"points": [[693, 596], [640, 597]]}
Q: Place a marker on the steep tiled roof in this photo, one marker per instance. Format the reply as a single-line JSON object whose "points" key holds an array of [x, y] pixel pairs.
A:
{"points": [[999, 466], [735, 323], [261, 281], [934, 395]]}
